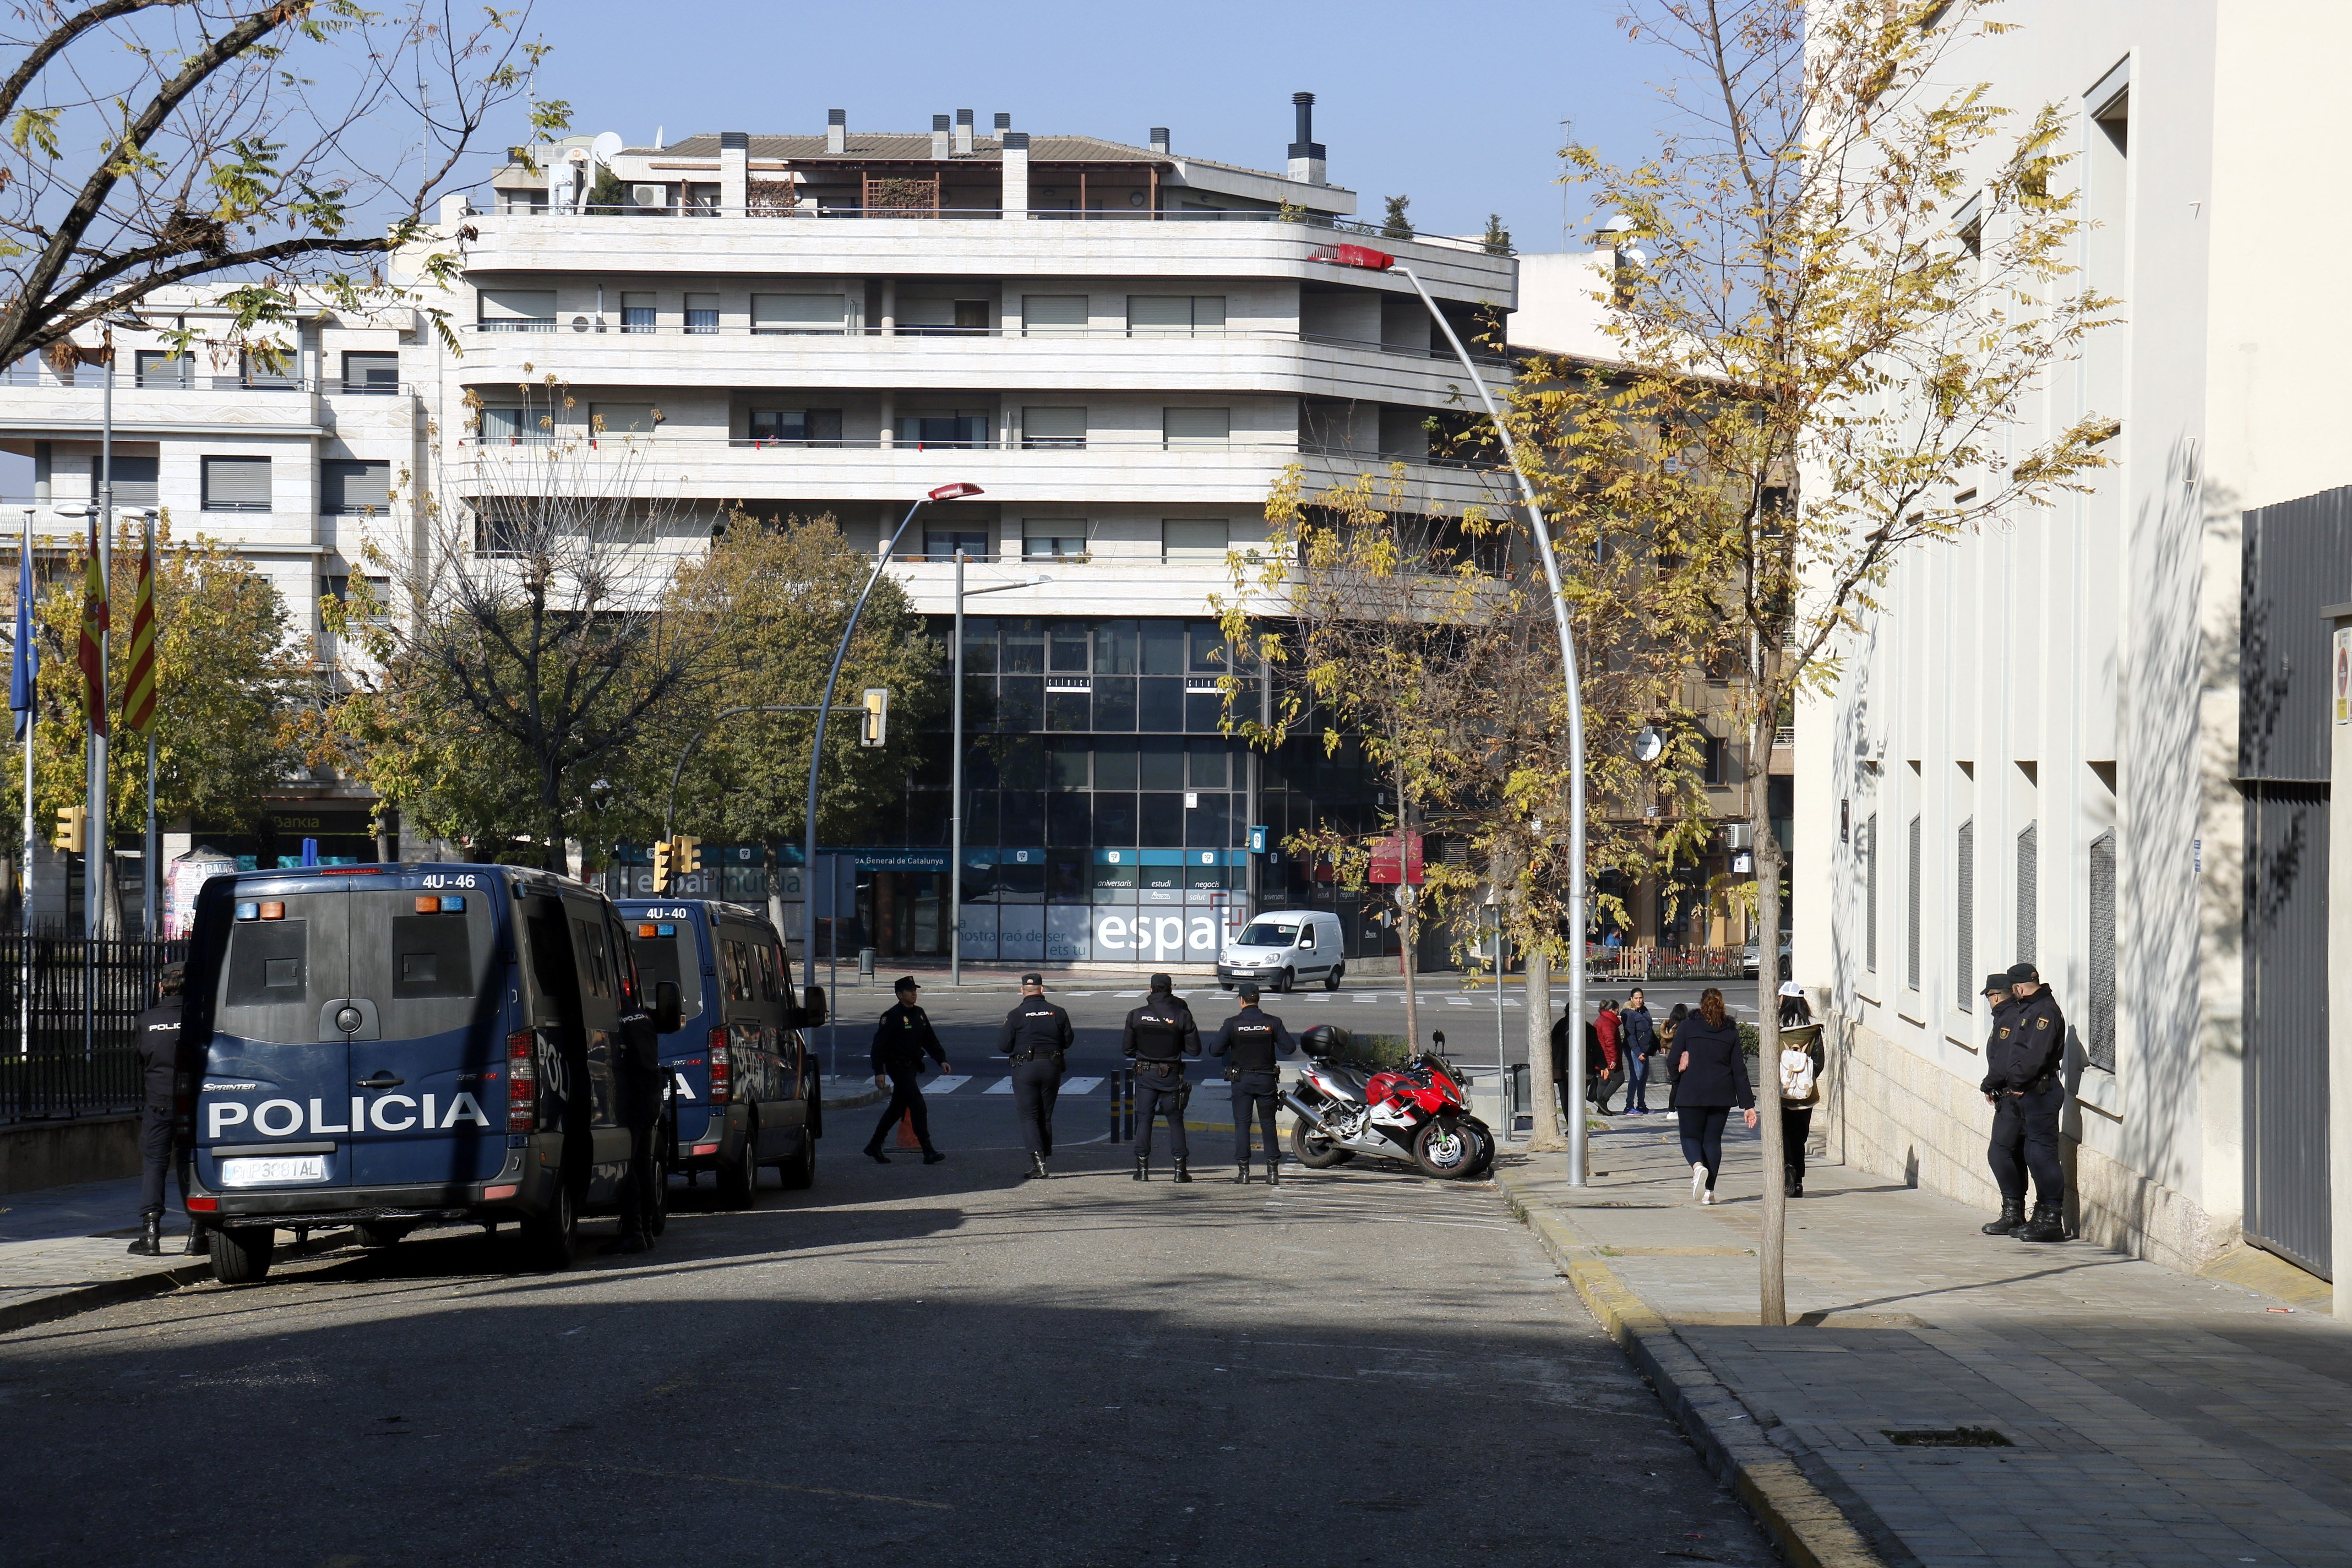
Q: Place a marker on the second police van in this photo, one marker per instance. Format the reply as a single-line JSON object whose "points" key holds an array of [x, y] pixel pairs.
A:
{"points": [[744, 1086]]}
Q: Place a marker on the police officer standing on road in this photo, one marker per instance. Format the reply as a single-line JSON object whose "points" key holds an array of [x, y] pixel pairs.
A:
{"points": [[2021, 1082], [1034, 1036], [901, 1041], [1249, 1042], [159, 1074], [642, 1083], [1159, 1035]]}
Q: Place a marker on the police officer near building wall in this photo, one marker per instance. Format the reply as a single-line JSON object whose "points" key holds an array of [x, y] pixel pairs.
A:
{"points": [[159, 1075], [1159, 1035], [642, 1083], [901, 1040], [2021, 1082], [1249, 1041], [1035, 1035]]}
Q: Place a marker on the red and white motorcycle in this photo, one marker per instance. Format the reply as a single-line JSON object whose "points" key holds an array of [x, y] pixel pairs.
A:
{"points": [[1419, 1113]]}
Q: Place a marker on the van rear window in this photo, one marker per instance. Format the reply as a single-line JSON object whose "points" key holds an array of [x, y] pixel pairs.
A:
{"points": [[665, 950], [431, 955], [424, 960], [266, 963]]}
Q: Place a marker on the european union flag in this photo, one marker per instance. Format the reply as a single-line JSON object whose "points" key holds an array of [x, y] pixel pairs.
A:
{"points": [[24, 680]]}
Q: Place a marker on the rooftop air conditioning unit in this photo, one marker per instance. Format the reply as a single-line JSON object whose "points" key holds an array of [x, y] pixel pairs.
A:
{"points": [[649, 196]]}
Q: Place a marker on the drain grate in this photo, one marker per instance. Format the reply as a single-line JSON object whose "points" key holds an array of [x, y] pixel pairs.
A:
{"points": [[1948, 1437]]}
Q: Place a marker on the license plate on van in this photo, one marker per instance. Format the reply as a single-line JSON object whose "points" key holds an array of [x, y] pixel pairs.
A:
{"points": [[269, 1170]]}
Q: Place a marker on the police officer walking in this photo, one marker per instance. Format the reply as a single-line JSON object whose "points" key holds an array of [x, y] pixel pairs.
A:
{"points": [[1159, 1035], [1035, 1035], [642, 1082], [901, 1040], [2021, 1082], [159, 1075], [1249, 1041]]}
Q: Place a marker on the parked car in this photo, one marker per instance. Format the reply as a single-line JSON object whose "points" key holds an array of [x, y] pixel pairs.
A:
{"points": [[1283, 947]]}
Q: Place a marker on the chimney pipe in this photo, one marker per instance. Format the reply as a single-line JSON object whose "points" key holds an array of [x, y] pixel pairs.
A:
{"points": [[938, 135], [1015, 201], [1306, 164], [1160, 139], [1004, 122], [837, 131], [963, 134]]}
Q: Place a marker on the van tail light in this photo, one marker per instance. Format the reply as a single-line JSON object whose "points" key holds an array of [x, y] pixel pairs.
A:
{"points": [[522, 1083], [722, 1076]]}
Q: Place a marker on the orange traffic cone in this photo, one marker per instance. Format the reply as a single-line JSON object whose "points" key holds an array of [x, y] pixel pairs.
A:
{"points": [[906, 1131]]}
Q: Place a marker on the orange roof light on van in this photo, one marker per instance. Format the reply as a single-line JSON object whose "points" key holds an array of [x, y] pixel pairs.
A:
{"points": [[429, 903], [646, 930], [272, 909]]}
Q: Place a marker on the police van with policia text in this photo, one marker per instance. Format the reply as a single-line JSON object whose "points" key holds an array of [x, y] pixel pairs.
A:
{"points": [[744, 1087], [387, 1046]]}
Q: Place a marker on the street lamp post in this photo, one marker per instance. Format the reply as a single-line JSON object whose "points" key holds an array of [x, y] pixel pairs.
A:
{"points": [[955, 798], [958, 492], [1371, 260]]}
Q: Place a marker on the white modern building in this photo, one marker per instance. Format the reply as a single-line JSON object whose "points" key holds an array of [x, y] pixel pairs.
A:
{"points": [[2091, 737], [1124, 347]]}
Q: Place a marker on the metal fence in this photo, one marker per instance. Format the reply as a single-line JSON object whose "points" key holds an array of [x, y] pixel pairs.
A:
{"points": [[56, 1070]]}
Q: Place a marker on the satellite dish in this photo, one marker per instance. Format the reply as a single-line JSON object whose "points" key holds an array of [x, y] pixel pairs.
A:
{"points": [[1648, 745], [606, 147]]}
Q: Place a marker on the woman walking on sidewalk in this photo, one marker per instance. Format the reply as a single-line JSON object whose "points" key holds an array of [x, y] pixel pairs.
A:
{"points": [[1800, 1091], [1711, 1076]]}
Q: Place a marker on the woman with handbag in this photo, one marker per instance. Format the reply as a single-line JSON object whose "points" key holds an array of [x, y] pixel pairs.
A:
{"points": [[1711, 1078]]}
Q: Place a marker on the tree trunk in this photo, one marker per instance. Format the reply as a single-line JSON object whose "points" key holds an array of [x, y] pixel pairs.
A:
{"points": [[1772, 1307], [1405, 911], [1544, 1138]]}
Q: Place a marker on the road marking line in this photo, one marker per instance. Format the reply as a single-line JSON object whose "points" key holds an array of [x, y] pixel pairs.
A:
{"points": [[1002, 1086], [947, 1083], [1126, 995], [1081, 1085]]}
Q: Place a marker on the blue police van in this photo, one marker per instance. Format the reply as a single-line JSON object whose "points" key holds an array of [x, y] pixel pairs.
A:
{"points": [[745, 1091], [385, 1046]]}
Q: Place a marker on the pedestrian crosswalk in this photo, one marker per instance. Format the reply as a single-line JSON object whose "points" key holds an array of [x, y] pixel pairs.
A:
{"points": [[951, 1083]]}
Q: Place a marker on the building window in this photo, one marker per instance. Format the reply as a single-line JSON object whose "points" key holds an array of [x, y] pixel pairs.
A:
{"points": [[2099, 1037], [637, 313], [1870, 893], [134, 480], [377, 592], [1055, 539], [701, 314], [506, 427], [374, 374], [1053, 429], [516, 311], [800, 314], [797, 426], [942, 544], [924, 318], [1053, 315], [1911, 900], [1964, 919], [614, 420], [1718, 765], [2029, 893], [1196, 426], [160, 368], [236, 484], [1195, 539], [349, 488], [1175, 315], [943, 429]]}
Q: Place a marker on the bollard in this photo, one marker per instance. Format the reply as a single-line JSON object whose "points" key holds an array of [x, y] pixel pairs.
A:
{"points": [[1114, 1077], [1127, 1104]]}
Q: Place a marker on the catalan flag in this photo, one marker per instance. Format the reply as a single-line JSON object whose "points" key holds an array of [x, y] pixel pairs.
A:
{"points": [[95, 619], [139, 683]]}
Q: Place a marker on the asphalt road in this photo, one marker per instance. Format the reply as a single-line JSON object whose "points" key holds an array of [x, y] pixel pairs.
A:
{"points": [[907, 1365]]}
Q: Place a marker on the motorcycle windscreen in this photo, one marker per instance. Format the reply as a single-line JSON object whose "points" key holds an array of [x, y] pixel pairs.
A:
{"points": [[276, 1085], [428, 1060]]}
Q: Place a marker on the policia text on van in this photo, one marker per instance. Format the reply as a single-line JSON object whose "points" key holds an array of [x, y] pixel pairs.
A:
{"points": [[387, 1046]]}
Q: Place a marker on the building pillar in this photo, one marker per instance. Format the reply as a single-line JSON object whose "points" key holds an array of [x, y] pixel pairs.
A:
{"points": [[2340, 955], [889, 402]]}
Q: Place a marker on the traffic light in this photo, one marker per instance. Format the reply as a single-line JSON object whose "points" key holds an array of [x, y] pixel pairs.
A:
{"points": [[877, 716], [662, 870], [73, 830], [689, 853]]}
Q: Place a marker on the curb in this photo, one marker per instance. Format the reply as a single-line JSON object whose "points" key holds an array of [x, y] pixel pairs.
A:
{"points": [[869, 1096], [76, 1299], [1803, 1523]]}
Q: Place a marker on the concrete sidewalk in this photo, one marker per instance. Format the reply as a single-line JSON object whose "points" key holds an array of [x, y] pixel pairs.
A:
{"points": [[2061, 1404]]}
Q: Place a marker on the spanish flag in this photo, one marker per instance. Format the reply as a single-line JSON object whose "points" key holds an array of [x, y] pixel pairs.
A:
{"points": [[139, 684], [95, 619]]}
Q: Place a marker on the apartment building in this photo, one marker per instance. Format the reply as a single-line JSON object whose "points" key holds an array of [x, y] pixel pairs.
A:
{"points": [[2094, 737], [1123, 346]]}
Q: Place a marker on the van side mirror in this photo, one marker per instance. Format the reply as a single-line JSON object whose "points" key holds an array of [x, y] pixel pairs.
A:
{"points": [[812, 1010], [669, 1010]]}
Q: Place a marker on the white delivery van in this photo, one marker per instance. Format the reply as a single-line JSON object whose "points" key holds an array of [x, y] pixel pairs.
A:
{"points": [[1283, 947]]}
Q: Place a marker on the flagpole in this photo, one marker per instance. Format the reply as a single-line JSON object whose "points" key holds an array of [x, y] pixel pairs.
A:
{"points": [[152, 876], [96, 857]]}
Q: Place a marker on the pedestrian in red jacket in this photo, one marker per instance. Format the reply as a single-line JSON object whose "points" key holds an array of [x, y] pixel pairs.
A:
{"points": [[1607, 1028]]}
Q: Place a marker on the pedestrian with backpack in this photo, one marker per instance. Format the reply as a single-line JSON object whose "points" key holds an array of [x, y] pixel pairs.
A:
{"points": [[1801, 1091]]}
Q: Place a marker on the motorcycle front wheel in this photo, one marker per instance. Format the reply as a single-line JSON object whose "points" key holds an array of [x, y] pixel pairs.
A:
{"points": [[1313, 1147], [1445, 1149]]}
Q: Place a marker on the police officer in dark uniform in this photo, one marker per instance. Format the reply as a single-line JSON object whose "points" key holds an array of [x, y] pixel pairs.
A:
{"points": [[1159, 1035], [901, 1040], [2021, 1080], [1998, 1002], [1249, 1041], [1034, 1036], [159, 1075], [642, 1083]]}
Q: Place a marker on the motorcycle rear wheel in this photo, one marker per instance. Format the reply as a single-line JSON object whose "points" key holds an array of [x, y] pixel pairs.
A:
{"points": [[1313, 1149], [1445, 1149]]}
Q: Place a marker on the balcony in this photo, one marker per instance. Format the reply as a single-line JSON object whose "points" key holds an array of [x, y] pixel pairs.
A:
{"points": [[33, 398]]}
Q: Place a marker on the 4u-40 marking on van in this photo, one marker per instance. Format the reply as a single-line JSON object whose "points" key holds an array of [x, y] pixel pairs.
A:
{"points": [[390, 1046]]}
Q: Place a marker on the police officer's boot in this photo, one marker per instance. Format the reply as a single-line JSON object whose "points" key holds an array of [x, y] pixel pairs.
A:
{"points": [[1037, 1167], [1143, 1167], [1242, 1176], [1274, 1170], [2013, 1218], [151, 1239], [2047, 1225], [197, 1245], [1182, 1174]]}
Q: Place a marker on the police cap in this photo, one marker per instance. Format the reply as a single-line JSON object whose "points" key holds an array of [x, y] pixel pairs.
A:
{"points": [[1997, 980], [1247, 990], [1033, 978], [1162, 983], [906, 984], [2018, 972]]}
